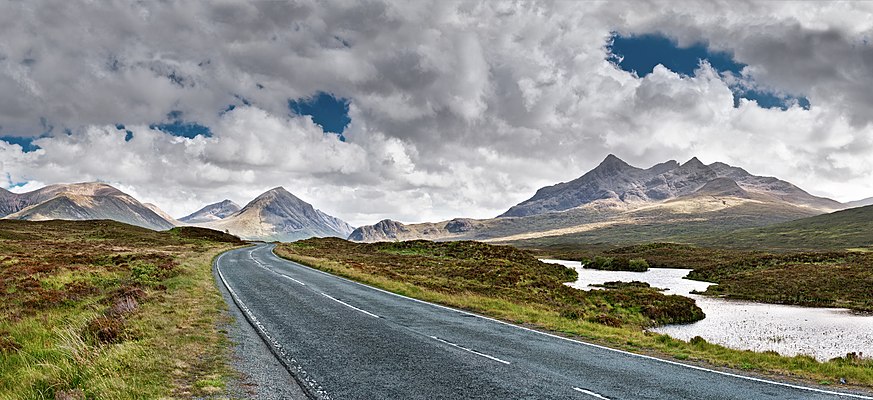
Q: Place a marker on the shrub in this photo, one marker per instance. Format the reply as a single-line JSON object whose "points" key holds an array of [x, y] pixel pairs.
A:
{"points": [[638, 264], [606, 319], [105, 329], [697, 341]]}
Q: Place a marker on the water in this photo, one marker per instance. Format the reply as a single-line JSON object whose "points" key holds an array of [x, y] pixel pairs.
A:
{"points": [[823, 333]]}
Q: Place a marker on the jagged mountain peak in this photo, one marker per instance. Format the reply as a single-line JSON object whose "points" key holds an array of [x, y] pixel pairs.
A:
{"points": [[613, 164], [694, 162], [617, 182]]}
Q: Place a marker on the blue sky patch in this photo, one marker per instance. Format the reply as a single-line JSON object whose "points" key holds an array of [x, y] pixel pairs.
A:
{"points": [[127, 133], [26, 143], [178, 127], [641, 53], [330, 112]]}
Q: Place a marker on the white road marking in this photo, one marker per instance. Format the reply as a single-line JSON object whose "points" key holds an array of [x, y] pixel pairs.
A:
{"points": [[264, 266], [349, 305], [471, 350], [590, 393], [597, 346], [310, 385], [295, 280]]}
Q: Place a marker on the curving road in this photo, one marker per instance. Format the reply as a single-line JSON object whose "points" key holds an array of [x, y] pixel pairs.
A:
{"points": [[344, 340]]}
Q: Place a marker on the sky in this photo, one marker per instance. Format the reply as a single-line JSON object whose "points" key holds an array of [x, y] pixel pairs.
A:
{"points": [[425, 111]]}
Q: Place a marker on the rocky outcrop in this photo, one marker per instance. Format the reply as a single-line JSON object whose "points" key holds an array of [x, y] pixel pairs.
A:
{"points": [[384, 230]]}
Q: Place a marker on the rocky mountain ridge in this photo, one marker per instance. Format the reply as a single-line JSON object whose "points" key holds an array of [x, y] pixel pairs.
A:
{"points": [[616, 193], [617, 182]]}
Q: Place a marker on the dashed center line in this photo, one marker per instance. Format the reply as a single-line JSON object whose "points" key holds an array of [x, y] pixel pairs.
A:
{"points": [[471, 350], [349, 305], [590, 393]]}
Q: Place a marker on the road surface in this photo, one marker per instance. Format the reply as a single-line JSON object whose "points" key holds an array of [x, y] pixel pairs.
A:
{"points": [[344, 340]]}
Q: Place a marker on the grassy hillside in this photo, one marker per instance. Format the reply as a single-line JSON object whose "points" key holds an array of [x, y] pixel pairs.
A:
{"points": [[846, 229], [100, 309], [683, 222]]}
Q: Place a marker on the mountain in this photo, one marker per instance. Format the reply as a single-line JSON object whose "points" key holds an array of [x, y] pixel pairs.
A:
{"points": [[212, 212], [617, 202], [860, 203], [162, 214], [618, 184], [80, 201], [389, 230], [279, 215]]}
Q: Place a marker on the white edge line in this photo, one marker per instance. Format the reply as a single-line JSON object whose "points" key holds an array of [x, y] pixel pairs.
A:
{"points": [[597, 346], [471, 350], [314, 388], [349, 305], [590, 393]]}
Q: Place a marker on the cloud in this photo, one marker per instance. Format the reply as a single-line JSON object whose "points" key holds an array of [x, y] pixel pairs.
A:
{"points": [[457, 108]]}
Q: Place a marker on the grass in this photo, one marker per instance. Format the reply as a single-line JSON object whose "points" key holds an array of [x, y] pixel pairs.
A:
{"points": [[477, 269], [423, 270], [841, 230], [100, 309]]}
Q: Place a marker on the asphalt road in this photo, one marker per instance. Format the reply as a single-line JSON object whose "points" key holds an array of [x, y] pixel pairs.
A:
{"points": [[344, 340]]}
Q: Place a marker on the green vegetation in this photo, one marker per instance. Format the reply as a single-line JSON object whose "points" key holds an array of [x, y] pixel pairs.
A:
{"points": [[841, 279], [616, 264], [498, 272], [100, 309], [475, 277], [624, 285], [841, 230]]}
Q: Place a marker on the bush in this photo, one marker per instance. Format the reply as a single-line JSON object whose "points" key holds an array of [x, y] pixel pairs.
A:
{"points": [[617, 264], [606, 319], [638, 264], [105, 329]]}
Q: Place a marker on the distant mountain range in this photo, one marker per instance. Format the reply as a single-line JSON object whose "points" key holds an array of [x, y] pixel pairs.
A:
{"points": [[274, 215], [860, 203], [616, 182], [615, 196], [614, 202]]}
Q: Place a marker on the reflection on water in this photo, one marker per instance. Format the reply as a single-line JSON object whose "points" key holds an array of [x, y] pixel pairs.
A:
{"points": [[823, 333]]}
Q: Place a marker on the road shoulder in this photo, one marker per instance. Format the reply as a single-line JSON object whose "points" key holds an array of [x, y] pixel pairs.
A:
{"points": [[261, 375]]}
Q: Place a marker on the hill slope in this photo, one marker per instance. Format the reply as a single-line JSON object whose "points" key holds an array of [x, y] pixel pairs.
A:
{"points": [[845, 229], [279, 215]]}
